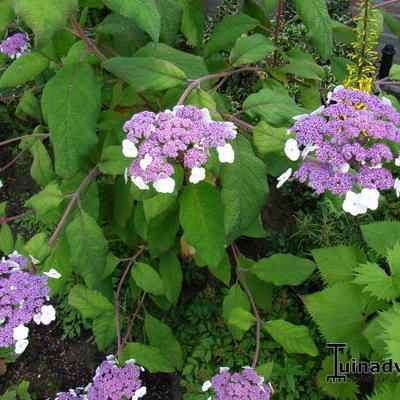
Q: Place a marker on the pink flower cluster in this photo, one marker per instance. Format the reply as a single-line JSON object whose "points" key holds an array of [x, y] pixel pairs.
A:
{"points": [[22, 299], [15, 45], [246, 385], [347, 145], [110, 383], [183, 135]]}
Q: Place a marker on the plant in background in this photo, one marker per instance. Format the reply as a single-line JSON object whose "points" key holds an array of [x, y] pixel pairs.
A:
{"points": [[15, 45]]}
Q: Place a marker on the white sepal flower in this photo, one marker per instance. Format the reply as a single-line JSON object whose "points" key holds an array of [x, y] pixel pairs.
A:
{"points": [[318, 110], [20, 332], [33, 260], [139, 393], [21, 345], [206, 115], [343, 168], [223, 369], [352, 204], [166, 185], [48, 314], [146, 161], [386, 101], [226, 153], [329, 95], [397, 161], [129, 149], [140, 183], [396, 186], [369, 198], [292, 150], [284, 177], [206, 386], [52, 273], [37, 318], [308, 148], [197, 175]]}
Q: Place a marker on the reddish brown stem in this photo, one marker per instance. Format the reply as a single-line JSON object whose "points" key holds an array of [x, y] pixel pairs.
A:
{"points": [[14, 160], [386, 3], [133, 319], [10, 219], [16, 139], [19, 95], [238, 121]]}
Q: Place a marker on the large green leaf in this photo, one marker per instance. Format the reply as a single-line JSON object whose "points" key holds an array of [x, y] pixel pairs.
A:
{"points": [[90, 303], [89, 248], [147, 278], [382, 235], [144, 14], [6, 239], [44, 17], [104, 330], [6, 16], [171, 275], [71, 105], [228, 30], [293, 338], [37, 246], [161, 337], [193, 21], [251, 49], [315, 16], [268, 139], [202, 219], [171, 19], [46, 200], [283, 269], [23, 69], [146, 73], [245, 189], [302, 64]]}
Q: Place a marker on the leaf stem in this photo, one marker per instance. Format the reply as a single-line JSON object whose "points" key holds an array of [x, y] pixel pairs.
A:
{"points": [[238, 121], [8, 141], [9, 219]]}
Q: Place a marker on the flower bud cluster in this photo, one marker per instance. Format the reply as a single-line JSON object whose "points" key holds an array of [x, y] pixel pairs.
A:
{"points": [[110, 383], [347, 145], [22, 299], [183, 135], [246, 385], [15, 45]]}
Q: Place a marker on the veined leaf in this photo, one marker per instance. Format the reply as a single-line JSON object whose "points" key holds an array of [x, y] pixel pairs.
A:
{"points": [[268, 139], [193, 21], [302, 64], [47, 199], [171, 275], [147, 278], [382, 235], [104, 330]]}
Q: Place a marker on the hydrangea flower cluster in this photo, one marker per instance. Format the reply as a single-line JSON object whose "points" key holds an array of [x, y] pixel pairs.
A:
{"points": [[15, 45], [183, 135], [110, 383], [345, 145], [22, 299], [238, 386]]}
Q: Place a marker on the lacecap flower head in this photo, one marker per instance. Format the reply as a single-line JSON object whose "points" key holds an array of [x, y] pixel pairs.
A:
{"points": [[346, 146], [15, 45], [183, 135], [110, 383], [22, 299], [245, 385]]}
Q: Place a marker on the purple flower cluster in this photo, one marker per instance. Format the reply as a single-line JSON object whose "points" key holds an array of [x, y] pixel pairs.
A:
{"points": [[346, 144], [246, 385], [22, 298], [15, 45], [182, 135], [110, 383]]}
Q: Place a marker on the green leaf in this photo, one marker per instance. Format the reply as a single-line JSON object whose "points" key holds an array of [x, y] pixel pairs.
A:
{"points": [[146, 73], [394, 72], [293, 338], [245, 189], [90, 303], [71, 105], [161, 337], [3, 206], [268, 139], [201, 216], [302, 64], [336, 264], [28, 105], [79, 51], [251, 49], [339, 67], [6, 16], [158, 204], [193, 21], [343, 33], [171, 18], [147, 356], [283, 269], [113, 162], [265, 370], [44, 17], [387, 393], [38, 246], [89, 248], [46, 200], [144, 14], [171, 275], [223, 270], [104, 330], [241, 319], [315, 16], [6, 239], [227, 31], [391, 21], [271, 106], [111, 263], [381, 236], [147, 278], [311, 96], [23, 69], [123, 202]]}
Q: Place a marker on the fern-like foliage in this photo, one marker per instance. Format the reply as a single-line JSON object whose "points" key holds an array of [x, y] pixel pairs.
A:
{"points": [[388, 393]]}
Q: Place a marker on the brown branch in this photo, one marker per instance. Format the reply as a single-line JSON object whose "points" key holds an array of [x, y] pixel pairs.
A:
{"points": [[132, 320], [74, 198], [14, 160], [16, 139], [386, 3], [9, 219], [238, 121], [19, 95], [278, 21]]}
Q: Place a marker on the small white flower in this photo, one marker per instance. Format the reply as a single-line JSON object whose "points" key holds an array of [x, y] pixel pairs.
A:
{"points": [[130, 361], [386, 101], [126, 175], [292, 150], [226, 153], [377, 166], [206, 115], [329, 95], [52, 274], [37, 318], [165, 185], [48, 314], [2, 320], [300, 117], [352, 204], [318, 110], [206, 386], [140, 183], [21, 345], [397, 161], [343, 168], [139, 393], [146, 161], [396, 186], [20, 332], [369, 198], [129, 149], [33, 260], [1, 184], [284, 177], [223, 369], [197, 175], [309, 147]]}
